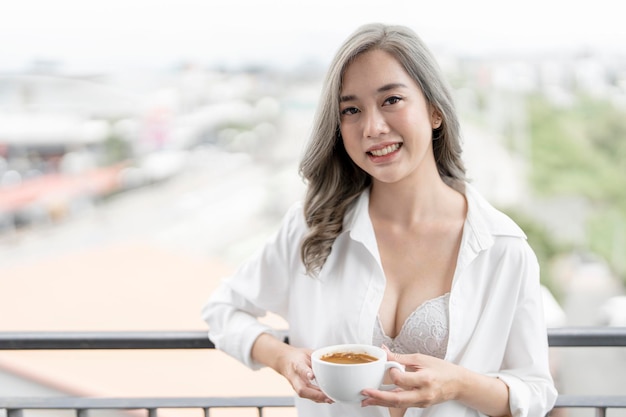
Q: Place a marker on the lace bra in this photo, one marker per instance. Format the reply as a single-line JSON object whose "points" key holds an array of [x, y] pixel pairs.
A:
{"points": [[424, 331]]}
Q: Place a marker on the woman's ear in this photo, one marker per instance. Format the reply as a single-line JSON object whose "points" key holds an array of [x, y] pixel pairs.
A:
{"points": [[436, 119]]}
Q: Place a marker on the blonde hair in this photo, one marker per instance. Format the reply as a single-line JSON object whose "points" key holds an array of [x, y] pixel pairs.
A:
{"points": [[333, 180]]}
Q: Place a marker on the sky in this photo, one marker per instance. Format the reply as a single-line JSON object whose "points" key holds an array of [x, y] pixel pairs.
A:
{"points": [[97, 35]]}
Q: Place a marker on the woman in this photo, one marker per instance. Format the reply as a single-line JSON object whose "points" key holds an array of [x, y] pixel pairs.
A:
{"points": [[393, 247]]}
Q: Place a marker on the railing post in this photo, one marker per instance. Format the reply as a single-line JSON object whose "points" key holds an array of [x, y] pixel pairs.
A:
{"points": [[14, 412], [600, 412]]}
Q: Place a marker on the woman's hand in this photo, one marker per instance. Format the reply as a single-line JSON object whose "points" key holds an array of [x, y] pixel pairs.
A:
{"points": [[429, 381], [295, 365], [292, 363]]}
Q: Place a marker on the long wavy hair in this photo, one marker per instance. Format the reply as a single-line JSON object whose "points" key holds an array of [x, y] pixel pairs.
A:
{"points": [[333, 180]]}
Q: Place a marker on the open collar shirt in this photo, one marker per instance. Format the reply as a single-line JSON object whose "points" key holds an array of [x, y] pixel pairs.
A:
{"points": [[496, 319]]}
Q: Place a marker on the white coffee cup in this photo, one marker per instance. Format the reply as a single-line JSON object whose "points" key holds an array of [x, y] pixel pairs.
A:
{"points": [[344, 382]]}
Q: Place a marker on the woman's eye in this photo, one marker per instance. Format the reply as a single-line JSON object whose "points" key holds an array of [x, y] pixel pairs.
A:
{"points": [[393, 100], [349, 110]]}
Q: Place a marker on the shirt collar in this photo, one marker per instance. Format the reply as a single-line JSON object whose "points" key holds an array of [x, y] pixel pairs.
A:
{"points": [[358, 224], [483, 224], [486, 219]]}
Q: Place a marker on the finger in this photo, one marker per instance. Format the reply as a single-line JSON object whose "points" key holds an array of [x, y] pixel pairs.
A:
{"points": [[308, 357], [411, 361], [391, 356], [304, 372], [305, 386], [394, 399], [401, 380], [374, 397], [313, 393]]}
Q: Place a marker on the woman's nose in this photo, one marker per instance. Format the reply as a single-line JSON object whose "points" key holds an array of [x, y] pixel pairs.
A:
{"points": [[374, 124]]}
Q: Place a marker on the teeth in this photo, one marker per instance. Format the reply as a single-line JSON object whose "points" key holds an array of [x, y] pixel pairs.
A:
{"points": [[387, 149]]}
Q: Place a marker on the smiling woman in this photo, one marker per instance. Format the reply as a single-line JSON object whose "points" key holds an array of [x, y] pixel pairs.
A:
{"points": [[389, 224]]}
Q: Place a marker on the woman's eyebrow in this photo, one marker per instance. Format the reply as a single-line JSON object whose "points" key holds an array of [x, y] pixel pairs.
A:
{"points": [[382, 89], [391, 86], [347, 98]]}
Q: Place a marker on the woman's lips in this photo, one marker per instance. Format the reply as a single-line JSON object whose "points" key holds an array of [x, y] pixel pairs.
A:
{"points": [[386, 150]]}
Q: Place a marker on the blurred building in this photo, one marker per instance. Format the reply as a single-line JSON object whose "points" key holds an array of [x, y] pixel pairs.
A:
{"points": [[67, 141]]}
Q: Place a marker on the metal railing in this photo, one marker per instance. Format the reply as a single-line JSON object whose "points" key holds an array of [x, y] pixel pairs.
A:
{"points": [[14, 406], [81, 405]]}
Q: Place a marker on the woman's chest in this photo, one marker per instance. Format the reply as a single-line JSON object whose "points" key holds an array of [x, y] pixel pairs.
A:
{"points": [[418, 267]]}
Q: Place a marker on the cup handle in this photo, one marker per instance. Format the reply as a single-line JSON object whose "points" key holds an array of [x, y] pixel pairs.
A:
{"points": [[388, 366]]}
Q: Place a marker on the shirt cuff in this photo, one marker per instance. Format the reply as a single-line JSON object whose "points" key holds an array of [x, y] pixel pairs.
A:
{"points": [[251, 334], [519, 394]]}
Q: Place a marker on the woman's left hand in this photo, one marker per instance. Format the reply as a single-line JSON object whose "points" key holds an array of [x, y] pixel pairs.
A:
{"points": [[427, 381]]}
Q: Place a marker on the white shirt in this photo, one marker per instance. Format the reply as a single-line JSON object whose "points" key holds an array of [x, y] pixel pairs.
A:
{"points": [[495, 312]]}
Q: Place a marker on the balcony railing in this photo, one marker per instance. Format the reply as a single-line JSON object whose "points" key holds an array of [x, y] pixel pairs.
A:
{"points": [[14, 406]]}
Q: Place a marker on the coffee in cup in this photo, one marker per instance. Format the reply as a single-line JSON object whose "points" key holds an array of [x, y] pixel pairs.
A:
{"points": [[348, 357], [343, 371]]}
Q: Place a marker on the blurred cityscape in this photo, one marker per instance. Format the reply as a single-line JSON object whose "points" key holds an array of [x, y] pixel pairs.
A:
{"points": [[99, 171]]}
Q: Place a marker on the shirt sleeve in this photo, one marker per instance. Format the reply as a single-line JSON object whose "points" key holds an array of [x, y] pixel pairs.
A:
{"points": [[259, 285], [525, 368]]}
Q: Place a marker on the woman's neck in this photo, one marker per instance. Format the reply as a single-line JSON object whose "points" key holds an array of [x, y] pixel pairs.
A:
{"points": [[405, 206]]}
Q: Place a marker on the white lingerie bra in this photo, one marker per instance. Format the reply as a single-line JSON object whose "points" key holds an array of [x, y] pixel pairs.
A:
{"points": [[424, 331]]}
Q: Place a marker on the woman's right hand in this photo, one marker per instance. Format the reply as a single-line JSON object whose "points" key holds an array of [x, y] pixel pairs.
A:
{"points": [[295, 365], [292, 363]]}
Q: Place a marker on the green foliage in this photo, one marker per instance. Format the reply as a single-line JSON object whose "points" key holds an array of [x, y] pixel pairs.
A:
{"points": [[581, 150]]}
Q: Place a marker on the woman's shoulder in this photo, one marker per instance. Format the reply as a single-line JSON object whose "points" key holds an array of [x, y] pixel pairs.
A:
{"points": [[295, 209], [294, 218]]}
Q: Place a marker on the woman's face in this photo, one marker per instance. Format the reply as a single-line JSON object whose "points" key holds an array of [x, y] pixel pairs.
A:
{"points": [[386, 123]]}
